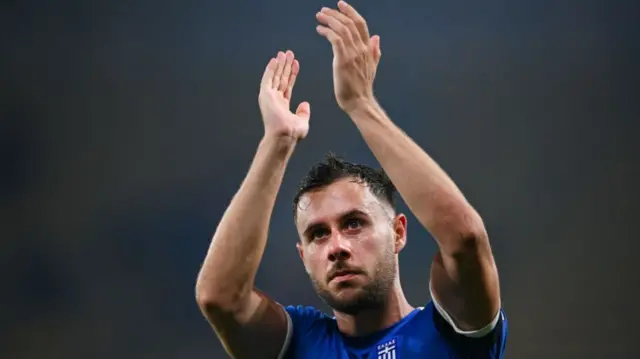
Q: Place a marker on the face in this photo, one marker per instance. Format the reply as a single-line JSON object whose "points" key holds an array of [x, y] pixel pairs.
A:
{"points": [[349, 241]]}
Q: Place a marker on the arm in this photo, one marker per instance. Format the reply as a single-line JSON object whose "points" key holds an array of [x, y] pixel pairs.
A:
{"points": [[464, 278], [249, 324]]}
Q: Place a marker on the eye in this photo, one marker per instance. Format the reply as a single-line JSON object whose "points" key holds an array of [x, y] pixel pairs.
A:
{"points": [[353, 224], [318, 233]]}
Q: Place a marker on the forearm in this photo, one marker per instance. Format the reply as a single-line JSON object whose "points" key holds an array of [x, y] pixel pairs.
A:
{"points": [[428, 191], [229, 269]]}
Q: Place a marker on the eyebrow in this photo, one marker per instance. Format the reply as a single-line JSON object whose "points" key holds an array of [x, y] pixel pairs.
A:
{"points": [[351, 213]]}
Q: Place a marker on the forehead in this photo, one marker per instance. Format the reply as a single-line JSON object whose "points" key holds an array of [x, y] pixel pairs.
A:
{"points": [[327, 203]]}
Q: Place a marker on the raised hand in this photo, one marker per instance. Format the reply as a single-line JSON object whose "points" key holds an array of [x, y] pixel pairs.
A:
{"points": [[355, 54], [275, 96]]}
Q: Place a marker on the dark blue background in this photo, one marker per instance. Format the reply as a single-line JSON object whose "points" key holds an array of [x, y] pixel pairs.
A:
{"points": [[128, 125]]}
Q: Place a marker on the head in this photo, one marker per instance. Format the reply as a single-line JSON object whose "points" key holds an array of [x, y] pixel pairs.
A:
{"points": [[350, 233]]}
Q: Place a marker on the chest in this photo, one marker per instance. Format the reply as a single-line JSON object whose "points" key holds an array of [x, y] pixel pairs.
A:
{"points": [[405, 346]]}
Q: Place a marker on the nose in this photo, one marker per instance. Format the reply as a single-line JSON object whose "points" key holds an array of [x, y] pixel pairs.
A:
{"points": [[338, 249]]}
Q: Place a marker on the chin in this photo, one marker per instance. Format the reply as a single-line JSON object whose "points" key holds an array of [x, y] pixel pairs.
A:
{"points": [[352, 306], [349, 300], [347, 293], [350, 296]]}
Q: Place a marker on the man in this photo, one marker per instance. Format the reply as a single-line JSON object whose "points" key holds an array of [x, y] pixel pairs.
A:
{"points": [[350, 234]]}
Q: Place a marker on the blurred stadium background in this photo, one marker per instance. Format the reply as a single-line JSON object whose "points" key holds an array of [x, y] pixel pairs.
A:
{"points": [[128, 125]]}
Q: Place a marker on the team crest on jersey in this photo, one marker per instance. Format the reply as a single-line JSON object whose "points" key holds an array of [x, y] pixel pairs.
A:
{"points": [[388, 349]]}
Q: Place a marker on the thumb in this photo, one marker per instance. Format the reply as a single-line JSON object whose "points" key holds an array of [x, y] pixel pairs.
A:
{"points": [[304, 110], [375, 47]]}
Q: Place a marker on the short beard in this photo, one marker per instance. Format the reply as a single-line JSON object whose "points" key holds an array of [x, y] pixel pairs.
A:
{"points": [[373, 295]]}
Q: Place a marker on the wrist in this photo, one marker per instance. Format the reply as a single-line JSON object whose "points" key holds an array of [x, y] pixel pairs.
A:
{"points": [[279, 143], [364, 109]]}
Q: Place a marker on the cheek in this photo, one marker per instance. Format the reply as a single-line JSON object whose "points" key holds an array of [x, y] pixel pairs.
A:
{"points": [[374, 247], [375, 239], [367, 250], [313, 260], [369, 245]]}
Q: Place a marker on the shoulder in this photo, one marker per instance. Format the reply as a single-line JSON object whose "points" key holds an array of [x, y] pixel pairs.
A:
{"points": [[307, 312], [307, 328], [305, 318], [486, 342]]}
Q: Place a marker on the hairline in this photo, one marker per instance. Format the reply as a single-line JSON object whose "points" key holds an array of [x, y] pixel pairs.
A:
{"points": [[381, 198]]}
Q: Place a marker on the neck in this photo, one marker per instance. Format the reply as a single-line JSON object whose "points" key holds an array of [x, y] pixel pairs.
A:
{"points": [[372, 320]]}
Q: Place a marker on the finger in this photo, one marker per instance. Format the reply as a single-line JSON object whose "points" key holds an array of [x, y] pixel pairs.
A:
{"points": [[295, 69], [286, 73], [267, 77], [337, 43], [336, 26], [346, 21], [304, 110], [277, 76], [375, 48], [360, 22]]}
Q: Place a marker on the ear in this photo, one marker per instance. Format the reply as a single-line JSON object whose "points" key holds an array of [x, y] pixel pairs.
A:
{"points": [[300, 251], [400, 230]]}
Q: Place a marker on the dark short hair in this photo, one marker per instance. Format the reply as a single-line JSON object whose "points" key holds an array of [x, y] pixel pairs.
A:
{"points": [[334, 168]]}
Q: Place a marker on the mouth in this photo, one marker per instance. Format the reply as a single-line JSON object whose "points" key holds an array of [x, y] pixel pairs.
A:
{"points": [[344, 275]]}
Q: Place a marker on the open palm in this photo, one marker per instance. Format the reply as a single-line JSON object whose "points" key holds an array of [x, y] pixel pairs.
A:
{"points": [[275, 97]]}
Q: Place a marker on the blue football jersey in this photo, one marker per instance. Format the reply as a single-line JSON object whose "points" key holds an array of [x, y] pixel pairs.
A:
{"points": [[424, 333]]}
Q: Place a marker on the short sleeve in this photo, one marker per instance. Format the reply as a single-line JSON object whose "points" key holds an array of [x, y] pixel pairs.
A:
{"points": [[490, 345], [301, 322]]}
